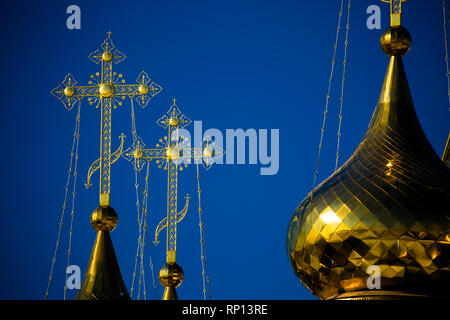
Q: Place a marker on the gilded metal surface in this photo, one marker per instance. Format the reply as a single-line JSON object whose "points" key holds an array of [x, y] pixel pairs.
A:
{"points": [[396, 41], [387, 206], [107, 90], [171, 275], [173, 153], [103, 280], [104, 219], [96, 165], [396, 11]]}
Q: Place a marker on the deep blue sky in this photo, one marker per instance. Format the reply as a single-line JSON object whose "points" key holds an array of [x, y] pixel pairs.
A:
{"points": [[231, 64]]}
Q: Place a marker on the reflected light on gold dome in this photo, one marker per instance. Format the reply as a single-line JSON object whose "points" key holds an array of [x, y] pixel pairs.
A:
{"points": [[330, 217], [387, 206]]}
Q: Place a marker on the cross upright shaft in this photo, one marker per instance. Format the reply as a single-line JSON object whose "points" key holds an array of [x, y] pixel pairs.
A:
{"points": [[396, 11], [106, 89]]}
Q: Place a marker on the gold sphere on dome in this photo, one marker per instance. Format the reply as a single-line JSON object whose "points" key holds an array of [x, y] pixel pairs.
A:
{"points": [[143, 89], [106, 90], [171, 275], [107, 56], [396, 41], [104, 218], [69, 91], [173, 121]]}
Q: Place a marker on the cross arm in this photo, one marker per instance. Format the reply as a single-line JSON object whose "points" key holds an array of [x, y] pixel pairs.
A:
{"points": [[136, 89], [148, 154], [62, 91], [85, 91], [209, 153], [157, 153], [143, 91], [69, 93]]}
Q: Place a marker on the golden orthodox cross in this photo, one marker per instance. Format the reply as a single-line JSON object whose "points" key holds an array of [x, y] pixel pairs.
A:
{"points": [[106, 89], [173, 152]]}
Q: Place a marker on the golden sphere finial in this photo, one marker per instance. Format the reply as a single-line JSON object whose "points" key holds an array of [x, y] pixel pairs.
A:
{"points": [[107, 56], [104, 218], [171, 275], [137, 153], [106, 90], [173, 121], [396, 41], [143, 89], [69, 91], [207, 152]]}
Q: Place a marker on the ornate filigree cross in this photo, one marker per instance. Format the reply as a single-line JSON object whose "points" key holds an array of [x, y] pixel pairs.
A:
{"points": [[106, 89], [173, 153]]}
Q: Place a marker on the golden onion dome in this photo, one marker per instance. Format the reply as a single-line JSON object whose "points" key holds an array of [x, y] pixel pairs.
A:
{"points": [[387, 207]]}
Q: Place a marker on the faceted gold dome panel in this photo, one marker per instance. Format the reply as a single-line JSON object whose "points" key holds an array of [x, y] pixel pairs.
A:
{"points": [[387, 206]]}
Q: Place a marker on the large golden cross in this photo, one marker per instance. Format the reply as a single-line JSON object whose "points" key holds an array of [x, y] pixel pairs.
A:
{"points": [[396, 11], [106, 89], [173, 153]]}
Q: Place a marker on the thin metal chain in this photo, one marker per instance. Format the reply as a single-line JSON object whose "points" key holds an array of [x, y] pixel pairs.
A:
{"points": [[136, 184], [205, 274], [145, 213], [344, 64], [316, 171], [140, 242], [144, 220], [137, 177], [151, 265], [141, 219], [72, 212], [444, 11], [76, 137]]}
